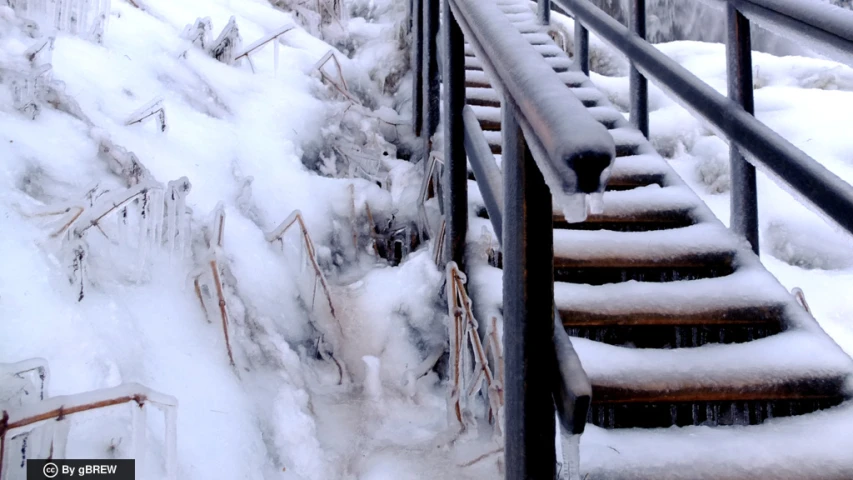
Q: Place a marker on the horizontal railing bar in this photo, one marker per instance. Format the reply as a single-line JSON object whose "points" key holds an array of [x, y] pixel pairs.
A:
{"points": [[766, 148], [825, 28], [567, 133]]}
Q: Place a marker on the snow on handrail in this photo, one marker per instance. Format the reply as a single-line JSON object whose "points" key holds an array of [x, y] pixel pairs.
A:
{"points": [[764, 147], [572, 150], [823, 26]]}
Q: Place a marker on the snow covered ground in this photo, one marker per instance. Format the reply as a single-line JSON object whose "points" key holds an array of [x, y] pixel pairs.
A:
{"points": [[255, 143]]}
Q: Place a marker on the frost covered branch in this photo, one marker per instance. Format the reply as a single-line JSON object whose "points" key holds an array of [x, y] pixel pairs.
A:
{"points": [[469, 367], [60, 408], [271, 37], [327, 316], [84, 18], [429, 189], [340, 83], [215, 241], [226, 46], [150, 109]]}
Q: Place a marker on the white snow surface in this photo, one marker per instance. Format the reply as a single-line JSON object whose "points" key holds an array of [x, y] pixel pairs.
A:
{"points": [[239, 138]]}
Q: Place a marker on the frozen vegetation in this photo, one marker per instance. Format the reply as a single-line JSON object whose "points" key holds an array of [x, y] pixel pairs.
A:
{"points": [[206, 207]]}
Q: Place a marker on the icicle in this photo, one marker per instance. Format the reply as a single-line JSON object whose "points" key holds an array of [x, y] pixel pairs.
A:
{"points": [[562, 468], [138, 431], [61, 428], [673, 413], [372, 382], [695, 409], [574, 457], [275, 54], [171, 442], [695, 335]]}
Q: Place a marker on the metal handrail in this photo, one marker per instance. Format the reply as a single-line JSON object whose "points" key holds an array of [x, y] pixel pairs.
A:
{"points": [[730, 117], [827, 28], [544, 102], [551, 146], [573, 390]]}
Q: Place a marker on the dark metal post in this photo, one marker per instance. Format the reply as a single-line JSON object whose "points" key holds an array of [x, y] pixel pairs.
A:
{"points": [[581, 47], [431, 100], [528, 298], [544, 12], [744, 199], [455, 161], [417, 69], [639, 84]]}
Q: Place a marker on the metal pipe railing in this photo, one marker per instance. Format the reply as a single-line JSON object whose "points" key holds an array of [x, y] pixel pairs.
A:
{"points": [[455, 162], [573, 390], [639, 86], [417, 61], [764, 147], [821, 26], [552, 146], [744, 192]]}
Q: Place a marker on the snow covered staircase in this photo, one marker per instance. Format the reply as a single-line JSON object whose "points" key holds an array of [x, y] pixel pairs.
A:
{"points": [[674, 318]]}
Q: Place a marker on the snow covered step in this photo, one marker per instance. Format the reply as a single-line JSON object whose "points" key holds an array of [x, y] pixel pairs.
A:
{"points": [[605, 257], [811, 447], [545, 49], [732, 309], [483, 97], [488, 97], [792, 373], [559, 64], [478, 78], [640, 209], [600, 257]]}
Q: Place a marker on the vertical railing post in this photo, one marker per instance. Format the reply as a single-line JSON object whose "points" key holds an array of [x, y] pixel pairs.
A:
{"points": [[581, 47], [639, 84], [431, 101], [544, 12], [455, 162], [744, 200], [417, 69], [528, 299]]}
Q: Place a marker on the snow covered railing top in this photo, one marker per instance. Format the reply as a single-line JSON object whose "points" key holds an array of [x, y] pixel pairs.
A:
{"points": [[823, 26], [573, 151], [732, 118]]}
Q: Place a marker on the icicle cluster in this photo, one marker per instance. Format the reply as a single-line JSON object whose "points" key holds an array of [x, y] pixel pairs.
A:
{"points": [[84, 18], [41, 425], [226, 47], [130, 225], [31, 81]]}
